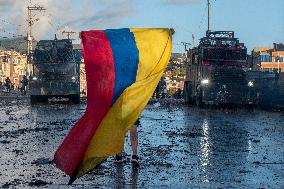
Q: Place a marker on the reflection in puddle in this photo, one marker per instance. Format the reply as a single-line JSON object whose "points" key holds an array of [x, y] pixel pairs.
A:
{"points": [[205, 149], [249, 148], [121, 178], [134, 178]]}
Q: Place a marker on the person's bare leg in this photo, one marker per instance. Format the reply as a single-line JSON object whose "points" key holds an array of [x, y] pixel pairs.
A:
{"points": [[134, 139]]}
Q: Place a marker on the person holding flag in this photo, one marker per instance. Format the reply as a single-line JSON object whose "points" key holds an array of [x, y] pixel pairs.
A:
{"points": [[134, 144], [123, 68]]}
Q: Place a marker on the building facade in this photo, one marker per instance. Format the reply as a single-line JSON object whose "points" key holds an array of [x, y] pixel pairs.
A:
{"points": [[269, 59], [13, 65]]}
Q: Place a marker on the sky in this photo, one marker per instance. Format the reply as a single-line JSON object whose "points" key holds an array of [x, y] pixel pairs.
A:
{"points": [[257, 23]]}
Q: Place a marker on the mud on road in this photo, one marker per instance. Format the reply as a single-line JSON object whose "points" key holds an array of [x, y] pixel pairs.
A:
{"points": [[180, 147]]}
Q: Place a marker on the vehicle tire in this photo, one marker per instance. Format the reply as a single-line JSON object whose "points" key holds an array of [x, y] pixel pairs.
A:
{"points": [[185, 97], [75, 99], [187, 93], [190, 100], [33, 99], [198, 100]]}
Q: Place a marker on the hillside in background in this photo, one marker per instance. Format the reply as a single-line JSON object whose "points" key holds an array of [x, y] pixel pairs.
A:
{"points": [[18, 44]]}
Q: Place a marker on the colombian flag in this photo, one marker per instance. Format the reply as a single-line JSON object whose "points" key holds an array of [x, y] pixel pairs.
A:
{"points": [[123, 68]]}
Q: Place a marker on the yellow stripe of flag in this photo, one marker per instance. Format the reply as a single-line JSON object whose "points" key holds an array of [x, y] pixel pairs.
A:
{"points": [[154, 46]]}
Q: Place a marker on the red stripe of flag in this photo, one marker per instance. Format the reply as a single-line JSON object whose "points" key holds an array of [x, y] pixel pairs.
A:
{"points": [[100, 73]]}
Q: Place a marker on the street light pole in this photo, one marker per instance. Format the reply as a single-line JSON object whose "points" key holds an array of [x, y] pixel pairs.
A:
{"points": [[278, 62]]}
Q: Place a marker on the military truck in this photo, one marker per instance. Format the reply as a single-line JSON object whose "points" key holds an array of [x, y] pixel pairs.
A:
{"points": [[55, 73], [216, 72]]}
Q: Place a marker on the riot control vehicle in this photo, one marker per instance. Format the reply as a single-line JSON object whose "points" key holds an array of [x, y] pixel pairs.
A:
{"points": [[216, 72], [55, 72]]}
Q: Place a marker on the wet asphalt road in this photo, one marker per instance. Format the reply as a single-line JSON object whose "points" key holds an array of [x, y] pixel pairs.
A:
{"points": [[180, 147]]}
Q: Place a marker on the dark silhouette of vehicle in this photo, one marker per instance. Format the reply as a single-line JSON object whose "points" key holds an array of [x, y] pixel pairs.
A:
{"points": [[55, 72], [216, 72]]}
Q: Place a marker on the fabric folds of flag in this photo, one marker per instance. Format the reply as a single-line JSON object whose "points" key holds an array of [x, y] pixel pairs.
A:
{"points": [[123, 68]]}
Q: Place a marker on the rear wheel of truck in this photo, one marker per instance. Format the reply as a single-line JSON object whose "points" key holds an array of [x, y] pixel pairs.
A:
{"points": [[75, 99], [198, 100], [187, 93], [33, 99], [186, 97]]}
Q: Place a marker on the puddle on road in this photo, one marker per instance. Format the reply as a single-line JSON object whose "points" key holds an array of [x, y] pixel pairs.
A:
{"points": [[179, 147]]}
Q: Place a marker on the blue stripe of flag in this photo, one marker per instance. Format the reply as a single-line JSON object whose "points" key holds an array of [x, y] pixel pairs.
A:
{"points": [[126, 58]]}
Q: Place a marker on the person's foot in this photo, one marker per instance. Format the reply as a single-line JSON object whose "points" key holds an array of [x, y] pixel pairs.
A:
{"points": [[135, 160], [118, 159]]}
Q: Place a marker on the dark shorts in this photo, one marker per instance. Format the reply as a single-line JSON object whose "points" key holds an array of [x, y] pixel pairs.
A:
{"points": [[137, 123]]}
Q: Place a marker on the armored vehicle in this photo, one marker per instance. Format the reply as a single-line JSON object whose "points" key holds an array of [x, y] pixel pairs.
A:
{"points": [[216, 72], [55, 72]]}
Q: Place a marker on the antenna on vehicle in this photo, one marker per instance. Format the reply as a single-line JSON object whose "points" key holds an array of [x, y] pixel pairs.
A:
{"points": [[208, 5], [68, 33]]}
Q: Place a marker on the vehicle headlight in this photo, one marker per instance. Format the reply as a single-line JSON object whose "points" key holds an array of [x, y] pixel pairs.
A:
{"points": [[73, 78], [250, 83], [205, 81], [34, 78]]}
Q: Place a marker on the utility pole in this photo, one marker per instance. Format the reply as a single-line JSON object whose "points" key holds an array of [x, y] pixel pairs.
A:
{"points": [[12, 64], [29, 33], [278, 59], [193, 38], [208, 4], [185, 44], [68, 33]]}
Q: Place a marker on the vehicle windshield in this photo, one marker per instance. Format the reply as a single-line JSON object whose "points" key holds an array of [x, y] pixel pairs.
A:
{"points": [[224, 54], [55, 71], [53, 52]]}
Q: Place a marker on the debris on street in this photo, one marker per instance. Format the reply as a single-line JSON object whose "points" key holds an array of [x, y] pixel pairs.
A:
{"points": [[210, 148]]}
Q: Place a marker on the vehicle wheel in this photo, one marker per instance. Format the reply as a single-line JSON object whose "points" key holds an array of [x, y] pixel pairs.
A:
{"points": [[187, 93], [186, 97], [76, 99], [190, 100], [33, 100], [198, 100]]}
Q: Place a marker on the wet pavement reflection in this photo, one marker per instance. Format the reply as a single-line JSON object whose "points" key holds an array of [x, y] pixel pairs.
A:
{"points": [[179, 147]]}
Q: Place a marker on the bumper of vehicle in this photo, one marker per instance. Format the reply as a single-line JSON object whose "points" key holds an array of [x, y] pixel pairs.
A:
{"points": [[239, 95], [72, 98]]}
